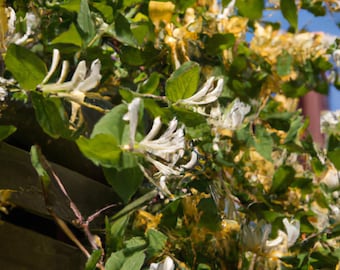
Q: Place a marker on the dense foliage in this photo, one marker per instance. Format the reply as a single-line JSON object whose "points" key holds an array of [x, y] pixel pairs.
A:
{"points": [[200, 134]]}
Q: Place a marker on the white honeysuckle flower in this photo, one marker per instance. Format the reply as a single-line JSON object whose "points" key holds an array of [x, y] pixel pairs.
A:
{"points": [[164, 150], [169, 146], [3, 93], [293, 231], [236, 114], [81, 82], [192, 162], [132, 117], [31, 23], [207, 94], [163, 187], [11, 20], [331, 178], [231, 118], [255, 236], [336, 57], [163, 169], [167, 264], [278, 241], [228, 11], [54, 65], [329, 121]]}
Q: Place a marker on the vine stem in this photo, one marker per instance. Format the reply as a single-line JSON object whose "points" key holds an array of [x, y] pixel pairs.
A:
{"points": [[252, 263]]}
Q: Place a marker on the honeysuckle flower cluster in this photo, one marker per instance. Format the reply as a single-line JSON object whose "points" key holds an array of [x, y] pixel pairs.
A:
{"points": [[271, 43], [255, 237], [12, 36], [82, 81], [329, 122], [162, 151], [229, 118]]}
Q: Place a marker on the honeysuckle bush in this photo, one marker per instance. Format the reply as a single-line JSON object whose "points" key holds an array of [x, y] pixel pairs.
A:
{"points": [[200, 134]]}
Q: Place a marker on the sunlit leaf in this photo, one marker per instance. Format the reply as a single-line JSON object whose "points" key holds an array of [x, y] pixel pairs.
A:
{"points": [[71, 5], [124, 181], [37, 165], [219, 42], [263, 142], [27, 68], [115, 261], [123, 31], [135, 204], [115, 233], [51, 116], [284, 62], [250, 8], [183, 82], [290, 12], [334, 156], [71, 36], [282, 179], [6, 130], [135, 261], [113, 124], [101, 149], [93, 260], [156, 241], [84, 20]]}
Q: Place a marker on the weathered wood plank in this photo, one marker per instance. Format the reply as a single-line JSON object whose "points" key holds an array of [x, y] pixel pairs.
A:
{"points": [[17, 173], [22, 249]]}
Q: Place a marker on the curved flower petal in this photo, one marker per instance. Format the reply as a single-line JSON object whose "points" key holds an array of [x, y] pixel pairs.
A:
{"points": [[207, 94], [293, 231]]}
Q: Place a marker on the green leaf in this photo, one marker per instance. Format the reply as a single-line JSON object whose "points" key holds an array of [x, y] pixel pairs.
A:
{"points": [[51, 116], [151, 84], [102, 150], [183, 82], [219, 42], [125, 182], [334, 156], [93, 260], [170, 214], [209, 216], [123, 31], [250, 8], [71, 5], [134, 262], [134, 244], [115, 232], [116, 261], [290, 12], [263, 142], [105, 10], [113, 124], [6, 130], [284, 63], [135, 204], [85, 22], [203, 266], [282, 179], [36, 163], [71, 36], [189, 118], [132, 56], [26, 67], [296, 124], [157, 241]]}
